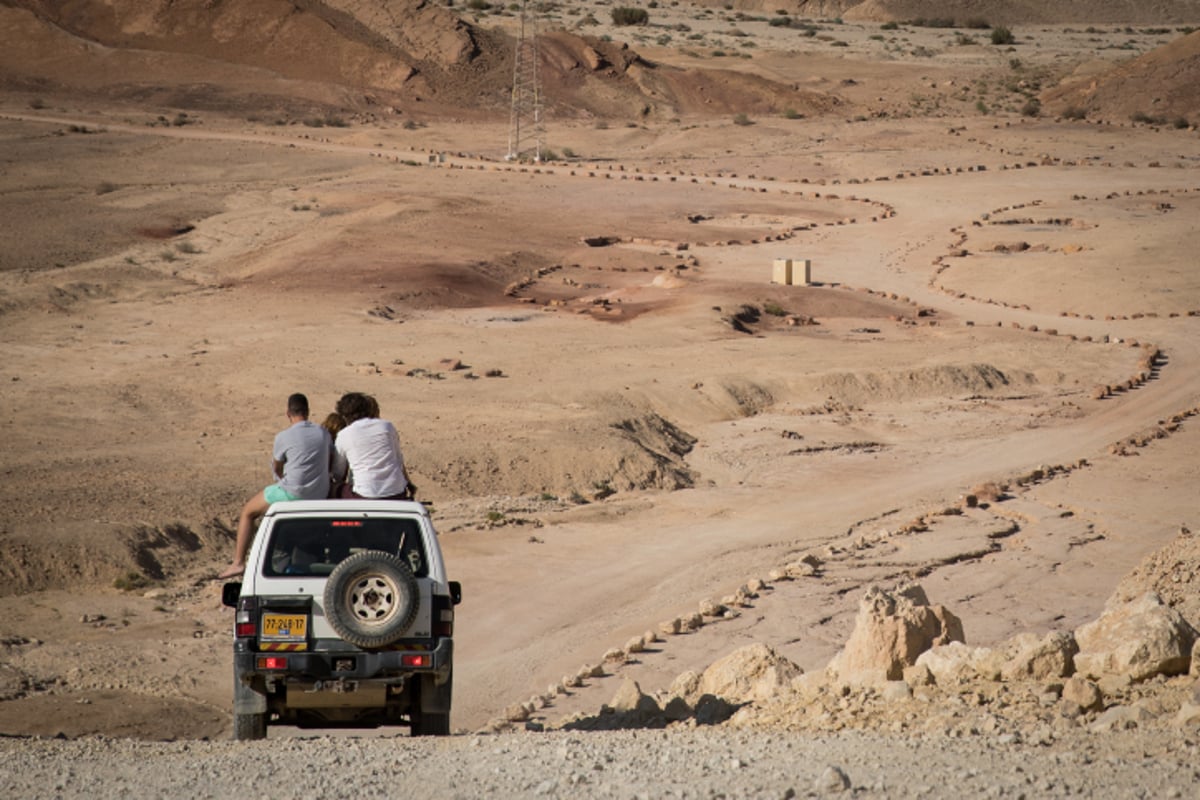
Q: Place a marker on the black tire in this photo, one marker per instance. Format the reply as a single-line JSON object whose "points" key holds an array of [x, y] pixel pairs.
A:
{"points": [[432, 723], [249, 727], [371, 599], [424, 724]]}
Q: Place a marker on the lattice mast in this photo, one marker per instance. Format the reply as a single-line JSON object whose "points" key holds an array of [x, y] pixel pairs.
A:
{"points": [[525, 131]]}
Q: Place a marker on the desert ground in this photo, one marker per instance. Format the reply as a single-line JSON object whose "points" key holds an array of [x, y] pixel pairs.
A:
{"points": [[614, 412]]}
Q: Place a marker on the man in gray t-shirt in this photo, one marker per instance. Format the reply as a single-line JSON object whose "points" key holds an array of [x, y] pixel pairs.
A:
{"points": [[301, 458]]}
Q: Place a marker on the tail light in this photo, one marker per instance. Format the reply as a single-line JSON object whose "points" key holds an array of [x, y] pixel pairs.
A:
{"points": [[443, 616], [245, 621]]}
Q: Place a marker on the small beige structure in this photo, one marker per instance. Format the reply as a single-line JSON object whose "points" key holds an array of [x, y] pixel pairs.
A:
{"points": [[792, 272]]}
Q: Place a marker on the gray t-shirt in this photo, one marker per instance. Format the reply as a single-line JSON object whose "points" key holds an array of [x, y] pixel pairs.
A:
{"points": [[304, 450]]}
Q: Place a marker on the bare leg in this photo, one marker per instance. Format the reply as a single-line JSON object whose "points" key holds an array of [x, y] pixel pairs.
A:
{"points": [[255, 507]]}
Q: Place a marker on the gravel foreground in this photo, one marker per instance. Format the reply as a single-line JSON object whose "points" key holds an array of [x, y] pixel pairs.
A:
{"points": [[696, 763]]}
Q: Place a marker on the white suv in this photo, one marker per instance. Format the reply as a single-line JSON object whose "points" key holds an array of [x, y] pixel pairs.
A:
{"points": [[344, 617]]}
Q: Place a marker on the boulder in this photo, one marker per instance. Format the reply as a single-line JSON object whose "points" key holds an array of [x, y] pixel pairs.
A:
{"points": [[1026, 657], [630, 699], [1140, 639], [957, 663], [891, 630], [685, 684], [751, 673], [1083, 693]]}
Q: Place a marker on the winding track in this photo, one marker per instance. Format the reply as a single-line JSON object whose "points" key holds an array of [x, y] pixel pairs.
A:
{"points": [[583, 605]]}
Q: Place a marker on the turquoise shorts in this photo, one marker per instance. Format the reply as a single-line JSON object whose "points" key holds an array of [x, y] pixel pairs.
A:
{"points": [[277, 494]]}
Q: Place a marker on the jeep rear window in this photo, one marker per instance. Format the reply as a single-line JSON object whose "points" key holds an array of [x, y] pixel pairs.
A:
{"points": [[315, 545]]}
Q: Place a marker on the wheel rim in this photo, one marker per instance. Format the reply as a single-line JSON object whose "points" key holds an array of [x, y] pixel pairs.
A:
{"points": [[373, 599]]}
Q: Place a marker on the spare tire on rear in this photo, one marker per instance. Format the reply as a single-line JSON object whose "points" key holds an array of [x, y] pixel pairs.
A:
{"points": [[371, 599]]}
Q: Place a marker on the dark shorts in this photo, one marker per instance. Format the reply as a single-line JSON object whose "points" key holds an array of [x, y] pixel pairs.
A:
{"points": [[347, 493]]}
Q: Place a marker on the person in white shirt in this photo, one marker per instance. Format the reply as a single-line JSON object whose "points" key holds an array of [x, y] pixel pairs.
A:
{"points": [[366, 455]]}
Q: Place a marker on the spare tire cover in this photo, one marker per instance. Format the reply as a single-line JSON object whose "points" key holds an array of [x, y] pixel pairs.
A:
{"points": [[371, 598]]}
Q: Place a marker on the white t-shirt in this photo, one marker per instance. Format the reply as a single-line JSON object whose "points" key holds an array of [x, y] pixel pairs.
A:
{"points": [[370, 448]]}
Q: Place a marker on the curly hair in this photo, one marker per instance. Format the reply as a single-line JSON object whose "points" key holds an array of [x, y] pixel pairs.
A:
{"points": [[354, 406]]}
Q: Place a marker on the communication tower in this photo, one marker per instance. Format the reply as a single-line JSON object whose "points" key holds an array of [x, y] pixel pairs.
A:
{"points": [[525, 131]]}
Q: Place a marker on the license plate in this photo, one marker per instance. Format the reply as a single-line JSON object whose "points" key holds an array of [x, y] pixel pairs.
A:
{"points": [[284, 627]]}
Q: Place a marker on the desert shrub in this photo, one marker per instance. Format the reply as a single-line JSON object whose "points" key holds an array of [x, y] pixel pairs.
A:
{"points": [[981, 107], [1032, 108], [623, 15], [1148, 119], [889, 26], [774, 309], [1002, 35], [478, 5], [977, 23], [187, 247], [1075, 112], [568, 153], [742, 119], [1181, 123], [131, 582], [791, 113], [780, 22], [37, 104], [105, 187]]}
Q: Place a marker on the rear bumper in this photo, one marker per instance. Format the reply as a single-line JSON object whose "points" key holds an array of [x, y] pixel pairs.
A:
{"points": [[349, 664]]}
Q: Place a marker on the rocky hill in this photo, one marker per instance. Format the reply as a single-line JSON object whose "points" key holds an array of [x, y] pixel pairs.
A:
{"points": [[1160, 87], [274, 55]]}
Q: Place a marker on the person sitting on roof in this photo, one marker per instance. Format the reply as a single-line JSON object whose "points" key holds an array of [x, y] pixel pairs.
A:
{"points": [[366, 454], [301, 460]]}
